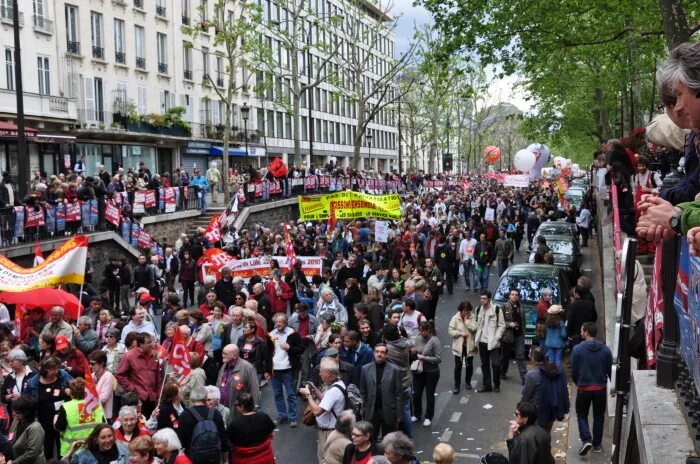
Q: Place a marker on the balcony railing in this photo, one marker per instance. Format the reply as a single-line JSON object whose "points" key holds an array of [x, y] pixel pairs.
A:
{"points": [[59, 104], [205, 79], [138, 4], [98, 52], [187, 74], [160, 10], [163, 68], [219, 81], [6, 16], [73, 47], [42, 24], [141, 63], [186, 20], [120, 57]]}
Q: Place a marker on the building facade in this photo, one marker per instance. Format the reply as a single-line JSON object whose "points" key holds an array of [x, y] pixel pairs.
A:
{"points": [[101, 79]]}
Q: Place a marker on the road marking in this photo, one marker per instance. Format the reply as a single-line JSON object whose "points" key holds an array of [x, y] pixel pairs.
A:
{"points": [[463, 400], [467, 455], [455, 416], [446, 435]]}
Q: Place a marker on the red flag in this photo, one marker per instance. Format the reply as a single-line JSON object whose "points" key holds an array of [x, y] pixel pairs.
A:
{"points": [[38, 255], [331, 219], [289, 247], [213, 232], [92, 399], [180, 357]]}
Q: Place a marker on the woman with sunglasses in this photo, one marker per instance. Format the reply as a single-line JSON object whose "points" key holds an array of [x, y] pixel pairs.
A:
{"points": [[361, 450]]}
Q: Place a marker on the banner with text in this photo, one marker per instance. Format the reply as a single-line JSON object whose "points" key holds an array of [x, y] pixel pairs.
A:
{"points": [[215, 259], [517, 180], [349, 205], [65, 265]]}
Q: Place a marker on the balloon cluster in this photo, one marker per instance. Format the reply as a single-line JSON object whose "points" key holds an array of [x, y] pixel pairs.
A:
{"points": [[532, 159]]}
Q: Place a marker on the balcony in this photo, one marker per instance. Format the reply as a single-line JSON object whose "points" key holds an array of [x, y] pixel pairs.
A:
{"points": [[73, 47], [205, 79], [138, 4], [186, 20], [6, 15], [219, 81], [160, 11], [120, 57], [51, 106], [140, 63], [163, 68], [119, 2], [98, 53], [43, 25], [187, 75]]}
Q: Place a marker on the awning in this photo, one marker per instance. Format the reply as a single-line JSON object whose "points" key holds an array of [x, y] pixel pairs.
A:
{"points": [[7, 129], [54, 138], [231, 151]]}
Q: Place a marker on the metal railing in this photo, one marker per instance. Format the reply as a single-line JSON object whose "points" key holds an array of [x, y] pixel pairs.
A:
{"points": [[98, 52], [42, 24], [140, 63], [160, 10], [120, 57], [186, 20], [58, 219], [163, 68], [219, 81], [73, 47], [138, 4], [187, 74]]}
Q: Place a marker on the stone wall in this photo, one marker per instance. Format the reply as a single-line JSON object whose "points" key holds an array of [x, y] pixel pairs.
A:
{"points": [[168, 227], [272, 216]]}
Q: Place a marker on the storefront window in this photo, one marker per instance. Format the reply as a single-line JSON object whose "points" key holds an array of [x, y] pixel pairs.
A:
{"points": [[8, 159], [132, 155]]}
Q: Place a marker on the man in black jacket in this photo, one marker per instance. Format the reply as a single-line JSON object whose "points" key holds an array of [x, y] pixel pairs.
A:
{"points": [[580, 311], [528, 443], [188, 420], [445, 258], [225, 291], [483, 255], [144, 275]]}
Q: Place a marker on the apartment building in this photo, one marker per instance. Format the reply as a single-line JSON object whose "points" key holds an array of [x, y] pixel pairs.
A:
{"points": [[101, 79]]}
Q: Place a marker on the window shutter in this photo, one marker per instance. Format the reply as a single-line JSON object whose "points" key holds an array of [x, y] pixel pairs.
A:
{"points": [[89, 85]]}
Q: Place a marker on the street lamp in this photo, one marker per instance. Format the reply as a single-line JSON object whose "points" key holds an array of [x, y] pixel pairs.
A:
{"points": [[245, 112], [368, 137]]}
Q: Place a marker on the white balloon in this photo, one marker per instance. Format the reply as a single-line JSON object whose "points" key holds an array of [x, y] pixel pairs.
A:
{"points": [[566, 163], [575, 167], [524, 160]]}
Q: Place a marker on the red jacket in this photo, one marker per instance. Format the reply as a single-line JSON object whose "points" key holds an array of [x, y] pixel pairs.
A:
{"points": [[257, 454], [278, 303]]}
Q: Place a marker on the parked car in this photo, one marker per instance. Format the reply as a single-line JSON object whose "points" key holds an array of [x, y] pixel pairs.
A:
{"points": [[530, 280], [581, 182], [567, 254], [551, 228], [575, 197]]}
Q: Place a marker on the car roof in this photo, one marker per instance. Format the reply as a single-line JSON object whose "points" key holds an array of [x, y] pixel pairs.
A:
{"points": [[559, 238], [534, 271]]}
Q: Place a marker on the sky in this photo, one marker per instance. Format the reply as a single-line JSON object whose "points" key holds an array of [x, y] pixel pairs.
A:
{"points": [[505, 89]]}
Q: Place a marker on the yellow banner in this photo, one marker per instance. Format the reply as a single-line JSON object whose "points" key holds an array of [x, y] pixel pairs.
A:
{"points": [[349, 205]]}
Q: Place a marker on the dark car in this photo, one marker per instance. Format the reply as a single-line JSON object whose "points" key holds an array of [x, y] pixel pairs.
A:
{"points": [[551, 228], [530, 280], [567, 254]]}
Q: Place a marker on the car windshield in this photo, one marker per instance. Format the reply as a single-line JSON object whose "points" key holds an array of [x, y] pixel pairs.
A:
{"points": [[561, 247], [529, 288]]}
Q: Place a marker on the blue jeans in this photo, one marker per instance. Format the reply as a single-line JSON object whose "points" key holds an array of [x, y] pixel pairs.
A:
{"points": [[202, 200], [483, 277], [554, 355], [584, 400], [470, 274], [502, 266], [406, 423], [285, 378]]}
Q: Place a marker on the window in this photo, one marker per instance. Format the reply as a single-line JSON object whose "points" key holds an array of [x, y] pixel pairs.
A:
{"points": [[42, 64], [288, 125], [99, 99], [219, 71], [139, 37], [204, 110], [72, 38], [165, 100], [203, 10], [205, 63], [96, 34], [280, 125], [215, 113], [304, 129], [119, 50], [121, 97], [261, 120], [161, 44], [270, 123], [186, 12], [10, 68], [187, 58], [142, 100]]}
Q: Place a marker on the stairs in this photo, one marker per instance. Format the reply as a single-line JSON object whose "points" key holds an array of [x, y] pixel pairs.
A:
{"points": [[203, 220]]}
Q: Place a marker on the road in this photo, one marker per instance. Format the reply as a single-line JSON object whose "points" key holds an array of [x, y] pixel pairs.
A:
{"points": [[473, 423]]}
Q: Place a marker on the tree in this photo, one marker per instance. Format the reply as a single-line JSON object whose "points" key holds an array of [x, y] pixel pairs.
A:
{"points": [[370, 82], [235, 24], [297, 63], [413, 120]]}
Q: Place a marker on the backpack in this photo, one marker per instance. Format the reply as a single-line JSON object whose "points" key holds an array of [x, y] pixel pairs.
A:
{"points": [[205, 447], [353, 400]]}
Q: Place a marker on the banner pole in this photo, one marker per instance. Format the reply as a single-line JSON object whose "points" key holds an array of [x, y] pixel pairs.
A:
{"points": [[80, 300]]}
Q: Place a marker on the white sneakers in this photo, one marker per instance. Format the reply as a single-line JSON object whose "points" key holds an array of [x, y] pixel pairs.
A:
{"points": [[426, 423], [414, 419]]}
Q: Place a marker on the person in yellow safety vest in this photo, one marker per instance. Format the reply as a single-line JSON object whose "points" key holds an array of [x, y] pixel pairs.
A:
{"points": [[73, 421]]}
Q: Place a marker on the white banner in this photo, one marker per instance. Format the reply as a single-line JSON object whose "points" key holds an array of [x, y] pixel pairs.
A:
{"points": [[517, 180], [215, 259], [489, 214], [65, 265]]}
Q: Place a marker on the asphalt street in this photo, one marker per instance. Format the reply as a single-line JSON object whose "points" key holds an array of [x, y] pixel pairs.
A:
{"points": [[473, 423]]}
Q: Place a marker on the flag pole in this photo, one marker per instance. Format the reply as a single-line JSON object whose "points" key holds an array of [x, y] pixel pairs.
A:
{"points": [[80, 299]]}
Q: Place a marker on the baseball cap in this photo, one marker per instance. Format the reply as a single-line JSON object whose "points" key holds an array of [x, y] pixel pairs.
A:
{"points": [[146, 297], [62, 342]]}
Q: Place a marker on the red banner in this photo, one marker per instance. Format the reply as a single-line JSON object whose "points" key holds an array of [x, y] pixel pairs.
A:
{"points": [[34, 218], [113, 213], [170, 199], [213, 232], [144, 240], [310, 182], [72, 211], [149, 199]]}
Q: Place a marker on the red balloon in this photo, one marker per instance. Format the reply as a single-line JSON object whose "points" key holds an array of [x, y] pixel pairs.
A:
{"points": [[492, 153]]}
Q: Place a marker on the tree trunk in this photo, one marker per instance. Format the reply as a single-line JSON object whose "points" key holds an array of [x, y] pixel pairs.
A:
{"points": [[296, 111], [675, 21], [360, 132], [227, 136]]}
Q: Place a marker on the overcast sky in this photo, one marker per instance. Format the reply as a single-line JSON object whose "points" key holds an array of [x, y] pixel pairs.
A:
{"points": [[409, 16]]}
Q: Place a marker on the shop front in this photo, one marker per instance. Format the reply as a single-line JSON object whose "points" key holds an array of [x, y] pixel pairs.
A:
{"points": [[9, 158], [194, 155]]}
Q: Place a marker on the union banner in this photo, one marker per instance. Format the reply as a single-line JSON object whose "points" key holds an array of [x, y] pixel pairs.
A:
{"points": [[65, 265], [349, 205]]}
